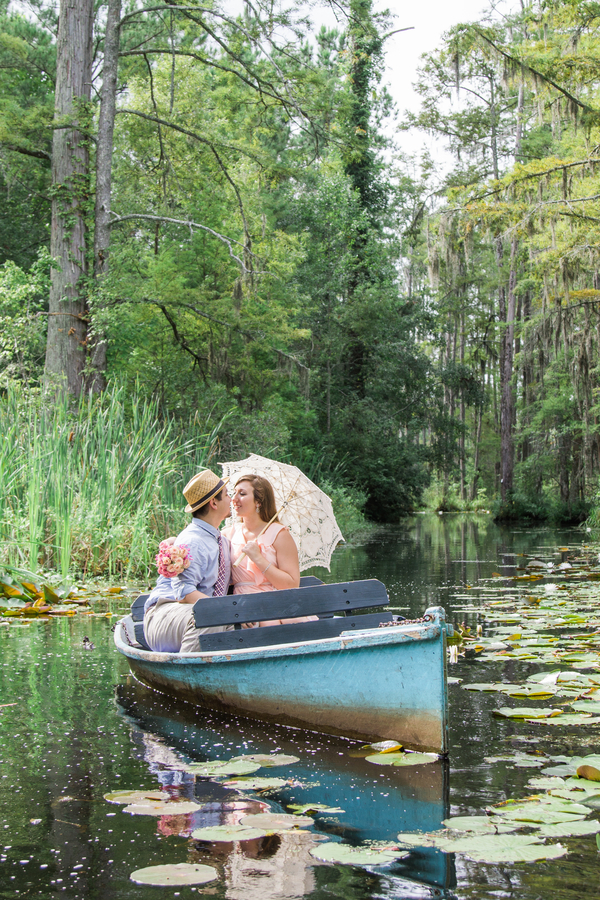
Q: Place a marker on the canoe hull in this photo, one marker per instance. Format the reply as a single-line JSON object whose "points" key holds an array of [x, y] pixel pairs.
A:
{"points": [[382, 684]]}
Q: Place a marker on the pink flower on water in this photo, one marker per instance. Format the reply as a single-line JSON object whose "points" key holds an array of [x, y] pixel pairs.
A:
{"points": [[172, 559]]}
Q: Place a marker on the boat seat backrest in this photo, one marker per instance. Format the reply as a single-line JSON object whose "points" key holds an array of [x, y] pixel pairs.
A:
{"points": [[137, 607], [322, 599], [334, 604], [140, 637]]}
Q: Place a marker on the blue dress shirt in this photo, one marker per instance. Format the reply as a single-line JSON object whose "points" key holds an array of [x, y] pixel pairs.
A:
{"points": [[203, 541]]}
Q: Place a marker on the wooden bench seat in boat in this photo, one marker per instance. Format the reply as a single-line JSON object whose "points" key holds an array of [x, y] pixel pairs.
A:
{"points": [[335, 605]]}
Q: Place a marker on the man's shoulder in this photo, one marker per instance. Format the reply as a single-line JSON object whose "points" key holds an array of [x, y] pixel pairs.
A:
{"points": [[195, 534]]}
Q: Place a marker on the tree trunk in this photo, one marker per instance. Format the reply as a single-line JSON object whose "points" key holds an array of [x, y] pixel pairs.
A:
{"points": [[564, 458], [104, 151], [475, 482], [507, 399], [462, 449], [67, 320]]}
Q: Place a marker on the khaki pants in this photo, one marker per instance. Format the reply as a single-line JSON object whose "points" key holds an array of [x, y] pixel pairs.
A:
{"points": [[169, 627]]}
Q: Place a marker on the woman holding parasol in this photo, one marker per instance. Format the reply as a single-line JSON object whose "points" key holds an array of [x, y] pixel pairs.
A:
{"points": [[265, 553]]}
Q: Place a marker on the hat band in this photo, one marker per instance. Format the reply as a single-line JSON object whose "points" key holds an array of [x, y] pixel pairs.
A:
{"points": [[203, 500]]}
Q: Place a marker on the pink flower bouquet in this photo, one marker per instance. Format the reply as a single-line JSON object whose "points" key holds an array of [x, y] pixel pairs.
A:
{"points": [[172, 559]]}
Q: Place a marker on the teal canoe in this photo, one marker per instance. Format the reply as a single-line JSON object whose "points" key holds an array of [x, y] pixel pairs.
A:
{"points": [[372, 684]]}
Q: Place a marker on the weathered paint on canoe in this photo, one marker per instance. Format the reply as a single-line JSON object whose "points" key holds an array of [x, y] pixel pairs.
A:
{"points": [[387, 683]]}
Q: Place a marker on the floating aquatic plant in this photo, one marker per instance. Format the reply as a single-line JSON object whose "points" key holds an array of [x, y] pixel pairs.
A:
{"points": [[355, 856], [228, 833], [174, 874]]}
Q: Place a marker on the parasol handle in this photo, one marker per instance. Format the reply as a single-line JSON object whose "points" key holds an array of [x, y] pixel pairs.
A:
{"points": [[262, 531], [272, 519]]}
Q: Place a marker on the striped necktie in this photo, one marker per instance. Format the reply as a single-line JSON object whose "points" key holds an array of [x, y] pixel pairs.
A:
{"points": [[222, 583]]}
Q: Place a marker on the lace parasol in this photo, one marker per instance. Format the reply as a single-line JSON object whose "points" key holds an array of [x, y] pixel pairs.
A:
{"points": [[303, 507]]}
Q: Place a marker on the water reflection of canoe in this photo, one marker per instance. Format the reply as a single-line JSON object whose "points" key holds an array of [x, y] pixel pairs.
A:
{"points": [[371, 683], [377, 802]]}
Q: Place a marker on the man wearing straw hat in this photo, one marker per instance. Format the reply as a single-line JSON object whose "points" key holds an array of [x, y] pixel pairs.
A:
{"points": [[169, 620]]}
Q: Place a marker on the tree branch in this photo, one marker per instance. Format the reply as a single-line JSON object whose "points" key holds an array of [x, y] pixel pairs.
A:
{"points": [[36, 154], [188, 224], [192, 134], [531, 175], [231, 326], [529, 68], [259, 86], [199, 360]]}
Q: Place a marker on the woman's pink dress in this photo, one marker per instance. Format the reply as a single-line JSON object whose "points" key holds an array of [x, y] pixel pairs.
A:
{"points": [[247, 578]]}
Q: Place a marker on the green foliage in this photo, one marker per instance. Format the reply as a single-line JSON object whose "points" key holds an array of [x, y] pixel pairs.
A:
{"points": [[27, 68], [348, 507], [521, 508], [23, 303], [93, 486]]}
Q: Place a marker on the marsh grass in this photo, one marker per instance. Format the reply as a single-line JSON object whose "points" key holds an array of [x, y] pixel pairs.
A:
{"points": [[92, 486]]}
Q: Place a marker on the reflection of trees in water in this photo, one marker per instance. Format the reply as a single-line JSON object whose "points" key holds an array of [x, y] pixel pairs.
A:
{"points": [[423, 555]]}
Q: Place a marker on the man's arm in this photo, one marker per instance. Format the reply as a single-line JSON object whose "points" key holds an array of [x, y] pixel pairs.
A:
{"points": [[191, 598], [185, 585]]}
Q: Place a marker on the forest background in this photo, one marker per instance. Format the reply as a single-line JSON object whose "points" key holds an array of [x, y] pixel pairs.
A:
{"points": [[211, 244]]}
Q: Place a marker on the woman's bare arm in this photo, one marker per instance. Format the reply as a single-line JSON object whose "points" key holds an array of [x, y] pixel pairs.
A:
{"points": [[285, 572]]}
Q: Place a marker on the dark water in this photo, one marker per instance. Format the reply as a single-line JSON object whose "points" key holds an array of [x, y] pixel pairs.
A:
{"points": [[79, 726]]}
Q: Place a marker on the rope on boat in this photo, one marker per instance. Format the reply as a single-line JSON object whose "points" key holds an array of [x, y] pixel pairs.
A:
{"points": [[402, 621]]}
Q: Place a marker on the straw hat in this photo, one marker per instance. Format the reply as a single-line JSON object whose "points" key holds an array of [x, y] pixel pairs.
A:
{"points": [[202, 488]]}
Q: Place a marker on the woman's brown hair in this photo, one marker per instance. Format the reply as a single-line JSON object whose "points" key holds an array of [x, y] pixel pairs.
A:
{"points": [[263, 496]]}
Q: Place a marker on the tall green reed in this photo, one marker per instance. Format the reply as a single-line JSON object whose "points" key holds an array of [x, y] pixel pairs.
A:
{"points": [[93, 485]]}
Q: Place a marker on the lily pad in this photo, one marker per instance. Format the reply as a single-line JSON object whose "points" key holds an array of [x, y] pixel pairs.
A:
{"points": [[567, 719], [276, 821], [174, 874], [223, 768], [128, 797], [402, 759], [228, 833], [267, 760], [355, 856], [480, 824], [495, 848], [545, 782], [570, 829], [314, 808], [488, 848], [590, 773], [588, 706], [256, 784], [484, 686], [526, 712], [519, 760], [418, 839], [537, 692], [541, 813], [158, 808], [384, 746]]}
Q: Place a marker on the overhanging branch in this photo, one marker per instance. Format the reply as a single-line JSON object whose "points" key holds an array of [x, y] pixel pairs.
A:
{"points": [[188, 224], [36, 154], [519, 62], [186, 131]]}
